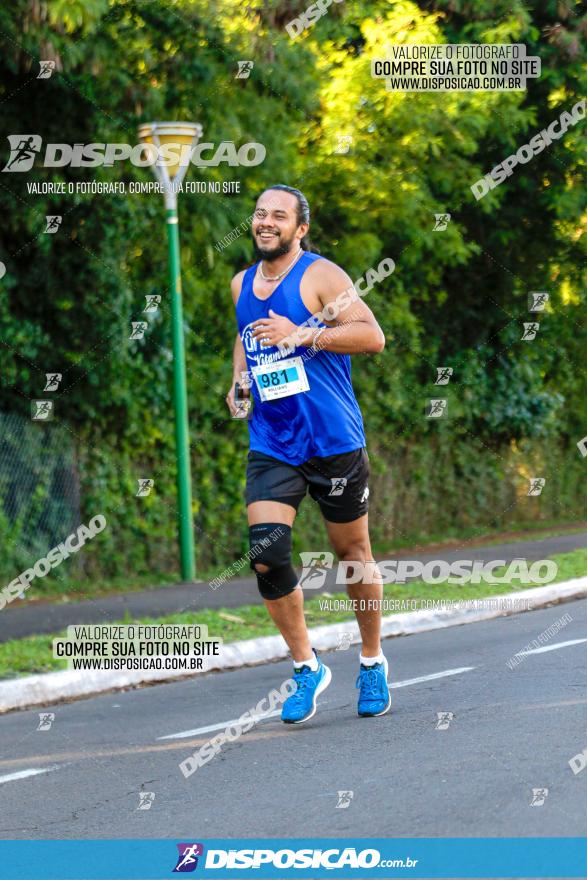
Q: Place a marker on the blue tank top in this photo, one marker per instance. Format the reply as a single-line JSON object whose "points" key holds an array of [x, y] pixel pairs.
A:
{"points": [[326, 420]]}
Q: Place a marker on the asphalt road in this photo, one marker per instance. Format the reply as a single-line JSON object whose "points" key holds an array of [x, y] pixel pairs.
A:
{"points": [[513, 730], [24, 618]]}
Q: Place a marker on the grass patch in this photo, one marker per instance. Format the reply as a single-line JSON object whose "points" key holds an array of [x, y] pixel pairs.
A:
{"points": [[524, 531], [62, 590], [34, 654]]}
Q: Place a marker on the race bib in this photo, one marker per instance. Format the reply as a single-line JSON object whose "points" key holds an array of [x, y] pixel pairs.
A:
{"points": [[281, 378]]}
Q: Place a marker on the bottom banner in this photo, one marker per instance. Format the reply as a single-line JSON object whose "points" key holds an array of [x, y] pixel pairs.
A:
{"points": [[223, 858]]}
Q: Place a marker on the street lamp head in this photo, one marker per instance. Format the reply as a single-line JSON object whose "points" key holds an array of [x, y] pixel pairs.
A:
{"points": [[181, 136]]}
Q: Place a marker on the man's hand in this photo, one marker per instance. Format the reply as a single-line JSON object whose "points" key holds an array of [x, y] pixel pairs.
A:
{"points": [[245, 392], [274, 329]]}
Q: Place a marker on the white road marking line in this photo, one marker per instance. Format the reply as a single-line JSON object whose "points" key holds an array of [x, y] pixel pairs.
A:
{"points": [[554, 647], [22, 774], [197, 730], [395, 684], [408, 681]]}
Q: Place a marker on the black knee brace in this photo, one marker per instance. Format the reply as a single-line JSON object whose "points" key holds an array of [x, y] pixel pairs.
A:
{"points": [[271, 546]]}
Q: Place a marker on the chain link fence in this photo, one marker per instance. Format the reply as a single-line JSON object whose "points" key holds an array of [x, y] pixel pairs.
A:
{"points": [[39, 491]]}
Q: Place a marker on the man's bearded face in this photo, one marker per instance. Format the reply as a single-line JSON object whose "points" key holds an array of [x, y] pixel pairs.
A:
{"points": [[274, 225]]}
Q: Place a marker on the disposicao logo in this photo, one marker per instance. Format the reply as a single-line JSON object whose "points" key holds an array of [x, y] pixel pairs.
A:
{"points": [[24, 149]]}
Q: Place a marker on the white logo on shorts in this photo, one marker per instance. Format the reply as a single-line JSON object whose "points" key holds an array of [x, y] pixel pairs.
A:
{"points": [[338, 485], [365, 494]]}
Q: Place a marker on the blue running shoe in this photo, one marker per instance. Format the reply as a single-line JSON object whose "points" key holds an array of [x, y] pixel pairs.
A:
{"points": [[374, 696], [301, 706]]}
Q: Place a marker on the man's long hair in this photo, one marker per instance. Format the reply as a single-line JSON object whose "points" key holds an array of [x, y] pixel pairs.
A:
{"points": [[303, 212]]}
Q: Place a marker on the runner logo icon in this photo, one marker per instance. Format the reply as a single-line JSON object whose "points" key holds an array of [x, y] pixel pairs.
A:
{"points": [[338, 485], [315, 565], [188, 857], [23, 150]]}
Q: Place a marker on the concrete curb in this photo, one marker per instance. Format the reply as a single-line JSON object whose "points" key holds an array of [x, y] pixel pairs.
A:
{"points": [[40, 690]]}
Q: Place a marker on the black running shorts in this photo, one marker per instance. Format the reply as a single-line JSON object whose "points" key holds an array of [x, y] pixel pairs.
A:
{"points": [[337, 482]]}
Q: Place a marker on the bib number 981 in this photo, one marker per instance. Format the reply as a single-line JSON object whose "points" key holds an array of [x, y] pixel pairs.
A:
{"points": [[274, 378], [289, 378]]}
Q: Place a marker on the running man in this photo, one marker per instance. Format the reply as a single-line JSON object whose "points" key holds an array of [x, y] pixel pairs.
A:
{"points": [[306, 431]]}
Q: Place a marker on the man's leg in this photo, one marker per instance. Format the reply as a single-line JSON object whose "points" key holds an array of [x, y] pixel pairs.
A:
{"points": [[288, 612], [311, 676], [350, 542]]}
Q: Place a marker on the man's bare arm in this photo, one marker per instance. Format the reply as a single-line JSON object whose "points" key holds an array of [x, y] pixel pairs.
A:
{"points": [[239, 360], [352, 328], [354, 335], [356, 329]]}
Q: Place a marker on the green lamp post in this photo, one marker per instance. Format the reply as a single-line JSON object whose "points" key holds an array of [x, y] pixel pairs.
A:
{"points": [[170, 172]]}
